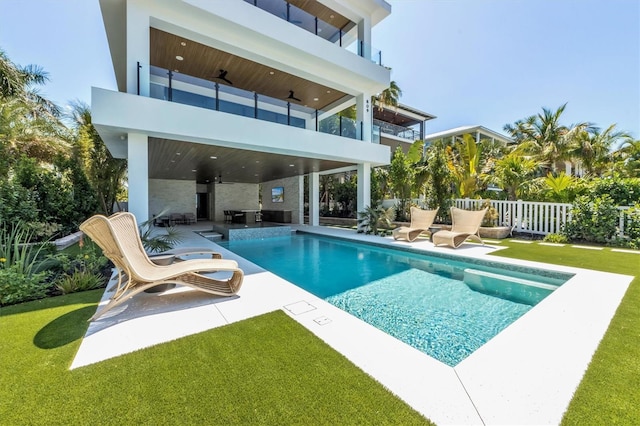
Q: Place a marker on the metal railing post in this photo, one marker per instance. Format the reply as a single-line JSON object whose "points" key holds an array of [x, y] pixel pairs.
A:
{"points": [[170, 94], [138, 77], [217, 86], [255, 105]]}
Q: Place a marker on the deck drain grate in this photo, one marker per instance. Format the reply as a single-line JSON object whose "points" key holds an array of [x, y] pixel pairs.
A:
{"points": [[322, 320]]}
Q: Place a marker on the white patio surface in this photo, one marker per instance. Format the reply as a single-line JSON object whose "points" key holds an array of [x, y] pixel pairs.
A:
{"points": [[525, 375]]}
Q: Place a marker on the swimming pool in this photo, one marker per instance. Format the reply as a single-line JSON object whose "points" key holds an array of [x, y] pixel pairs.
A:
{"points": [[441, 305]]}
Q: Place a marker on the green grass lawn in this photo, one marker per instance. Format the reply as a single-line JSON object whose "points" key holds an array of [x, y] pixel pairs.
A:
{"points": [[265, 370], [610, 390]]}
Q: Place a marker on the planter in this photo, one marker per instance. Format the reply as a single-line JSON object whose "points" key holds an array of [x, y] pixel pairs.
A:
{"points": [[495, 232]]}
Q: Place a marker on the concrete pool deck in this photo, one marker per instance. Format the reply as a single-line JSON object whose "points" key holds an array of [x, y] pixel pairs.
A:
{"points": [[525, 375]]}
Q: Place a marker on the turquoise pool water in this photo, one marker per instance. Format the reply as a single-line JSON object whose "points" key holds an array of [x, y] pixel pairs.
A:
{"points": [[445, 307]]}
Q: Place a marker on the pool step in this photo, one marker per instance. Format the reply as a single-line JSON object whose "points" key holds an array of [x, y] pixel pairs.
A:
{"points": [[518, 290]]}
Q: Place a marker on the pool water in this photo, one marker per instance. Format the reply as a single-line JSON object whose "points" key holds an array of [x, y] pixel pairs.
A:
{"points": [[444, 307]]}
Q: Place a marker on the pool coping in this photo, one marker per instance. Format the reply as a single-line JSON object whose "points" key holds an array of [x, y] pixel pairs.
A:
{"points": [[527, 374]]}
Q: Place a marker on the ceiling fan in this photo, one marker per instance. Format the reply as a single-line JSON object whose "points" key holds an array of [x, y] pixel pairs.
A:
{"points": [[292, 97], [223, 76]]}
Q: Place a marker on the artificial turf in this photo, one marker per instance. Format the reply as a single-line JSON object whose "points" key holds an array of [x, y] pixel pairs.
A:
{"points": [[264, 370], [609, 392]]}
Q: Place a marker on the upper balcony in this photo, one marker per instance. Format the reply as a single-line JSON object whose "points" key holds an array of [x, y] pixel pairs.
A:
{"points": [[186, 89], [318, 19], [398, 124]]}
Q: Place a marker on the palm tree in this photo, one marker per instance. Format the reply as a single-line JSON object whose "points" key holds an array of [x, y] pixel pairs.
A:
{"points": [[627, 157], [514, 174], [543, 137], [105, 172], [29, 124], [592, 147], [389, 97]]}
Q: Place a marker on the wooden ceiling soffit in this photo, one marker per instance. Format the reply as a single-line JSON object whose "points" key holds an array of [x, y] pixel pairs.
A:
{"points": [[205, 62]]}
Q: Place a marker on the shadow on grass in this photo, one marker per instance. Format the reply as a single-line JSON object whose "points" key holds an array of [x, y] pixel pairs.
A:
{"points": [[64, 329]]}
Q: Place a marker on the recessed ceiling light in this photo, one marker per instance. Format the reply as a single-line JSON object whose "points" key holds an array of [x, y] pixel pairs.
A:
{"points": [[176, 70], [257, 161], [315, 99], [173, 161], [331, 16], [213, 157], [271, 72], [328, 91], [177, 153], [180, 58], [194, 170], [291, 165], [183, 43]]}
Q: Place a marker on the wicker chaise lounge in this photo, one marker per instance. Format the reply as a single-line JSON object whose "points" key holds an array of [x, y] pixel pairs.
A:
{"points": [[421, 221], [119, 239], [465, 224]]}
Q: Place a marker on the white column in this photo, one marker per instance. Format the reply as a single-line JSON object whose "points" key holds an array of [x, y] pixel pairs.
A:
{"points": [[301, 200], [364, 115], [364, 186], [314, 199], [364, 36], [138, 45], [138, 175]]}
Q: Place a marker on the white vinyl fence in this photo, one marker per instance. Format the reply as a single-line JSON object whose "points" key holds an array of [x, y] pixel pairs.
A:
{"points": [[534, 217], [527, 216]]}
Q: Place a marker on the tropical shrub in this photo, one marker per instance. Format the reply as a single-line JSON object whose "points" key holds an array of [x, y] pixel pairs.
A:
{"points": [[79, 281], [439, 183], [593, 220], [375, 217], [623, 192], [17, 287], [401, 175], [21, 277], [491, 216], [632, 228], [555, 238]]}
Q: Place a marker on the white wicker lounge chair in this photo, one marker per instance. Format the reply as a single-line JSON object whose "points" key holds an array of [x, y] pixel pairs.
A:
{"points": [[421, 221], [119, 239], [465, 224]]}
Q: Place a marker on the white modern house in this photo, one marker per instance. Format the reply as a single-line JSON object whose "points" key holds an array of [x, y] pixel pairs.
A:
{"points": [[221, 103]]}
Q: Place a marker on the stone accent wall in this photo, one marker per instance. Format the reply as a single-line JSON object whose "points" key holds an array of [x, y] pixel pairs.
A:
{"points": [[234, 196], [171, 196], [291, 196]]}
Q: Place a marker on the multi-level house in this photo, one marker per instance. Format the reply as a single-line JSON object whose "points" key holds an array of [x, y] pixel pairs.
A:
{"points": [[221, 101]]}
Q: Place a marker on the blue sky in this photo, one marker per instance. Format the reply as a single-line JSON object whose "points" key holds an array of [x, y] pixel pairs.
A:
{"points": [[487, 62]]}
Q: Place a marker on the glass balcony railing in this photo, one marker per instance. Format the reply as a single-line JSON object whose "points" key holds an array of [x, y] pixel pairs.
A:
{"points": [[185, 89], [345, 37], [398, 131]]}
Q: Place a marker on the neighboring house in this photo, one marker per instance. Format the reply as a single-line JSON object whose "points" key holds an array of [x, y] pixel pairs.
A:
{"points": [[399, 126], [478, 132], [218, 100]]}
